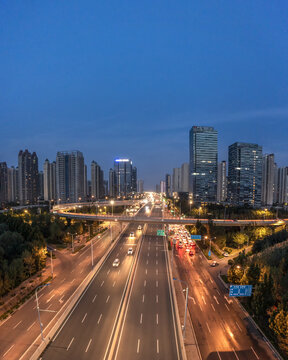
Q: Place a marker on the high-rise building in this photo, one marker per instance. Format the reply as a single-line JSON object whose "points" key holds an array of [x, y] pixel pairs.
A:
{"points": [[134, 179], [49, 180], [112, 183], [97, 186], [162, 187], [3, 183], [244, 174], [176, 180], [268, 179], [40, 185], [203, 143], [123, 172], [13, 182], [157, 188], [168, 184], [222, 182], [282, 186], [28, 177], [85, 197], [70, 176], [184, 178], [140, 186]]}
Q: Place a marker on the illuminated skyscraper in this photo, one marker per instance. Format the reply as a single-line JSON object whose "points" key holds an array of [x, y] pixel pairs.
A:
{"points": [[123, 173], [28, 177], [203, 163]]}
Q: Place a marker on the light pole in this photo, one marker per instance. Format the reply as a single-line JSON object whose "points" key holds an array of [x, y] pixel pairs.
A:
{"points": [[186, 304], [72, 241], [92, 256], [112, 203], [190, 203], [38, 310], [200, 208], [51, 263]]}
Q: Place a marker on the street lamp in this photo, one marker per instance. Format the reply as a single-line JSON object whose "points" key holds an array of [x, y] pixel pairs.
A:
{"points": [[200, 208], [38, 310], [72, 241], [186, 304], [190, 203], [112, 203]]}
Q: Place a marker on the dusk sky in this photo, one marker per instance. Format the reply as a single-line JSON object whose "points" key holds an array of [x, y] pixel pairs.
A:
{"points": [[130, 78]]}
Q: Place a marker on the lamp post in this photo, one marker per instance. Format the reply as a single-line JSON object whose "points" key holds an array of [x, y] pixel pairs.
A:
{"points": [[190, 203], [72, 241], [200, 208], [38, 310], [92, 255], [186, 304], [51, 264], [112, 203]]}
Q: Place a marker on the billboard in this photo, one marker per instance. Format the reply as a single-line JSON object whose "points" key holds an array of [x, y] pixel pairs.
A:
{"points": [[196, 237], [240, 290]]}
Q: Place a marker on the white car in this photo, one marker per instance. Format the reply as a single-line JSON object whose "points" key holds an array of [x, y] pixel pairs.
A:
{"points": [[132, 234], [214, 263], [130, 251], [139, 227], [116, 263]]}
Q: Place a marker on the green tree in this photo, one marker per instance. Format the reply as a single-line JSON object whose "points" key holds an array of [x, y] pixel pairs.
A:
{"points": [[29, 262], [240, 238]]}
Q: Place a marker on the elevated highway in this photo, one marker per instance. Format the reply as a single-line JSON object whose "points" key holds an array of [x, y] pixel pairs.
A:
{"points": [[170, 220]]}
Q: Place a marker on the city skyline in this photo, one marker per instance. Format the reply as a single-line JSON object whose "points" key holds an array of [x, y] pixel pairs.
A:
{"points": [[132, 81]]}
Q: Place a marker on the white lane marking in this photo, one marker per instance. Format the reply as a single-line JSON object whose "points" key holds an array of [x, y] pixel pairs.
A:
{"points": [[94, 298], [157, 346], [118, 272], [200, 307], [235, 354], [219, 356], [68, 347], [192, 298], [213, 307], [157, 254], [156, 271], [102, 283], [114, 283], [30, 326], [84, 318], [100, 317], [255, 353], [203, 299], [227, 307], [14, 327], [143, 298], [71, 282], [201, 281], [208, 327], [138, 346], [238, 326], [147, 262], [228, 301], [156, 262], [141, 317], [8, 350], [218, 292], [148, 254], [144, 283], [108, 297], [39, 297], [50, 298], [211, 280], [87, 348], [215, 298], [117, 255], [49, 307], [146, 271], [157, 319], [156, 283], [62, 281], [81, 270], [61, 299], [108, 271], [157, 298]]}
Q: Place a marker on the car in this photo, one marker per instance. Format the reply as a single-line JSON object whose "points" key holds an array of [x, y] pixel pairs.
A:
{"points": [[180, 245], [187, 249], [191, 253], [214, 263], [130, 251], [139, 227], [225, 254], [116, 263], [132, 234]]}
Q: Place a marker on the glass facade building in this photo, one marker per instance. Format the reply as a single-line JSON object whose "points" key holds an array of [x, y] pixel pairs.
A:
{"points": [[244, 174], [203, 143], [123, 176]]}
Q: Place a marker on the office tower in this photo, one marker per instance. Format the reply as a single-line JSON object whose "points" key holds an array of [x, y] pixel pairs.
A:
{"points": [[105, 188], [40, 185], [85, 183], [134, 180], [49, 180], [112, 183], [140, 186], [12, 184], [162, 187], [203, 143], [28, 177], [282, 186], [3, 183], [268, 179], [168, 184], [97, 185], [184, 177], [69, 176], [222, 182], [157, 188], [244, 174], [176, 180], [123, 172]]}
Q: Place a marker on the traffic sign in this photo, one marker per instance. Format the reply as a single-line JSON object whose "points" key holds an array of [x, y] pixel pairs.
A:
{"points": [[196, 237], [209, 253], [160, 233], [240, 290]]}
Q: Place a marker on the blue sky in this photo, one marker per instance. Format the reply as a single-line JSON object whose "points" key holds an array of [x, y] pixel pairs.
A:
{"points": [[130, 78]]}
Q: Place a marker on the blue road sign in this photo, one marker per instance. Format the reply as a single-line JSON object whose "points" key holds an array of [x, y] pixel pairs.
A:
{"points": [[196, 237], [209, 253], [240, 290]]}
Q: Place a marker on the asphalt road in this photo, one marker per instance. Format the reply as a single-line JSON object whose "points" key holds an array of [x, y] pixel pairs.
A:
{"points": [[222, 330], [148, 330]]}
